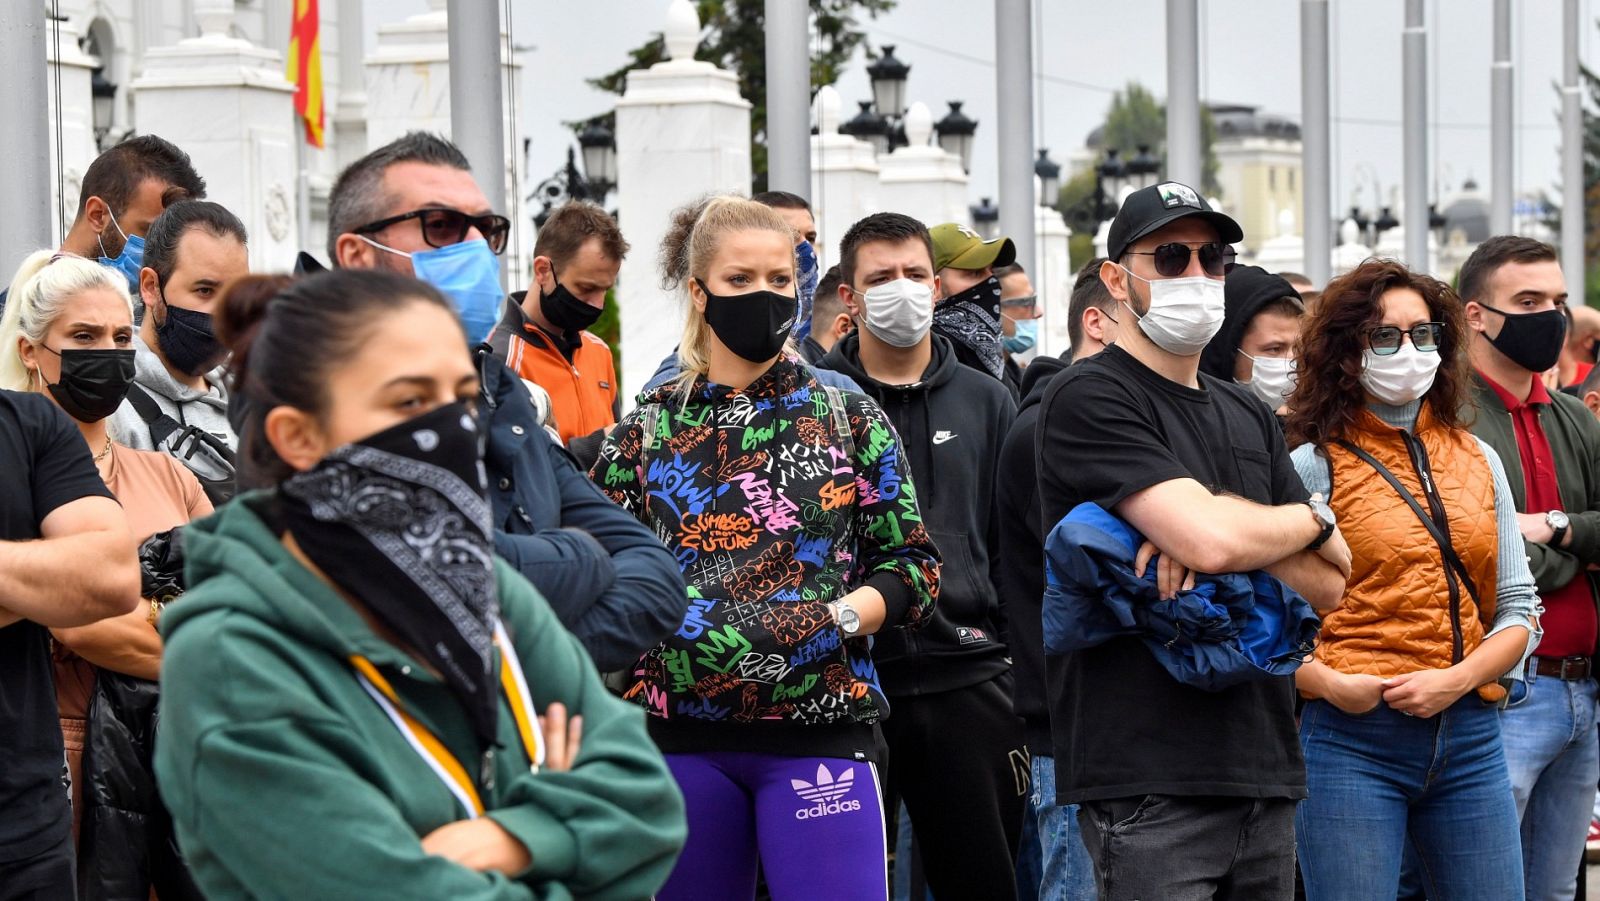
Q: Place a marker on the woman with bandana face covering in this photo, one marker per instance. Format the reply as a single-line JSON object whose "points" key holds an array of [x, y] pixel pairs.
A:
{"points": [[179, 400], [792, 513], [1401, 732], [68, 334], [360, 699]]}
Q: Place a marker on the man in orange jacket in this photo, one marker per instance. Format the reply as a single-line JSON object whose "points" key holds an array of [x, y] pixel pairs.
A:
{"points": [[541, 334]]}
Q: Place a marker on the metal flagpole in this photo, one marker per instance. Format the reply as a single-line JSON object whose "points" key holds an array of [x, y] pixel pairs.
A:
{"points": [[1315, 140], [477, 122], [24, 106], [789, 96], [1414, 112], [1013, 31], [1573, 212], [1184, 156], [1502, 172]]}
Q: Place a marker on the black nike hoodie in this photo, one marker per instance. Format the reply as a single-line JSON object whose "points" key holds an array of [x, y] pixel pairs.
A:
{"points": [[951, 425], [1021, 579]]}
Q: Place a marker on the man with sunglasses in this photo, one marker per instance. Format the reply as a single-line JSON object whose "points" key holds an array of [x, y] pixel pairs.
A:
{"points": [[1515, 298], [1182, 792], [612, 584], [542, 334]]}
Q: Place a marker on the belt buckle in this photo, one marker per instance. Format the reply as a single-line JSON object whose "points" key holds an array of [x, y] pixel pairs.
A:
{"points": [[1580, 668]]}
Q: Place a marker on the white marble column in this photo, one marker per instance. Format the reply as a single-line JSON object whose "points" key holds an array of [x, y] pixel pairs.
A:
{"points": [[1052, 274], [844, 177], [226, 102], [682, 131]]}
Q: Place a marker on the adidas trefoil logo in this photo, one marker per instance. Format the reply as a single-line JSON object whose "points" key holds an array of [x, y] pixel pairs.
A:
{"points": [[824, 795]]}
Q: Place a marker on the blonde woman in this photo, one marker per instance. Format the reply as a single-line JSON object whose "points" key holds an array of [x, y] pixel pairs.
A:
{"points": [[67, 333], [794, 520]]}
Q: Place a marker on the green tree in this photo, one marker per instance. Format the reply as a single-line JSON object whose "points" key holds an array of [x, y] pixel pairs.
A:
{"points": [[1135, 119], [734, 38]]}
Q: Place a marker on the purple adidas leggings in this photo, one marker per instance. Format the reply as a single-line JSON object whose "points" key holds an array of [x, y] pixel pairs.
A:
{"points": [[817, 823]]}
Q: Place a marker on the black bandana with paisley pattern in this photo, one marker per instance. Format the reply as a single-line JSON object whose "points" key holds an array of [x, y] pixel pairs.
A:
{"points": [[971, 319]]}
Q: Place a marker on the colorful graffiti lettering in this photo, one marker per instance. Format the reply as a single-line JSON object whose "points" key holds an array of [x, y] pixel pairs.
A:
{"points": [[723, 650], [717, 532]]}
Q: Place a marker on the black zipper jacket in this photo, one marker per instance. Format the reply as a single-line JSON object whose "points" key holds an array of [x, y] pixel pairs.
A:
{"points": [[951, 425]]}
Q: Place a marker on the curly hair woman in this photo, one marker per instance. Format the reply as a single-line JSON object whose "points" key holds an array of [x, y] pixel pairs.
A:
{"points": [[1401, 733]]}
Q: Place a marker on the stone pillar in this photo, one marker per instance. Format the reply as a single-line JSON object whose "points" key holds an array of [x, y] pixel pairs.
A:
{"points": [[350, 112], [682, 131], [1285, 251], [227, 103], [921, 180], [1052, 274], [77, 148], [844, 178]]}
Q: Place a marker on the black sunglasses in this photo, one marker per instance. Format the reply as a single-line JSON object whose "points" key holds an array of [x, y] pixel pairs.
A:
{"points": [[1386, 339], [1172, 259], [442, 227]]}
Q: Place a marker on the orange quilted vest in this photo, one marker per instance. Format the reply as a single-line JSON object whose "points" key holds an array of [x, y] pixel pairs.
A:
{"points": [[1399, 615]]}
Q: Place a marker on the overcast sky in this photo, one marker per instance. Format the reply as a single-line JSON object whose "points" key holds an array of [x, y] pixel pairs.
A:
{"points": [[1249, 53]]}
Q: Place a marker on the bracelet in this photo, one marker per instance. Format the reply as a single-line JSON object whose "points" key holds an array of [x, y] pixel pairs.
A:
{"points": [[155, 613]]}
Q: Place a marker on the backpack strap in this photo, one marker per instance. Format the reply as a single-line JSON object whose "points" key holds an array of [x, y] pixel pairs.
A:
{"points": [[161, 425], [841, 420]]}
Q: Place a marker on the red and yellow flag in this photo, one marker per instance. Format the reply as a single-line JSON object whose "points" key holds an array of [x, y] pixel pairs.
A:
{"points": [[305, 68]]}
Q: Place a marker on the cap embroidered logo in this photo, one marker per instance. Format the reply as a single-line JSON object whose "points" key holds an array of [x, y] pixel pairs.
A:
{"points": [[825, 796], [1175, 195]]}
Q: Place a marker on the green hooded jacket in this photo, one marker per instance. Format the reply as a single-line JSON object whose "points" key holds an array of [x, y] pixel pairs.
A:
{"points": [[286, 780]]}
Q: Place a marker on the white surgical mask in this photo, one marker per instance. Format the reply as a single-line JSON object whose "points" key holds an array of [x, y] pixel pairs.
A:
{"points": [[1271, 378], [1400, 377], [1184, 313], [899, 313]]}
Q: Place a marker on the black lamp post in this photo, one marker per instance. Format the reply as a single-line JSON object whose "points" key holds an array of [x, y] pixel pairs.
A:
{"points": [[1107, 184], [986, 216], [599, 158], [868, 125], [105, 95], [955, 133], [1143, 168], [1386, 221], [888, 75], [1049, 172]]}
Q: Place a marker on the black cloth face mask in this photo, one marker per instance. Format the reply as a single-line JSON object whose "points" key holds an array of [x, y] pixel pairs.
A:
{"points": [[564, 311], [188, 340], [93, 383], [753, 325], [401, 520], [1531, 340], [972, 320]]}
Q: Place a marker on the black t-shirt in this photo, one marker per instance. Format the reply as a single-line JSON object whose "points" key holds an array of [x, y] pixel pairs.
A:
{"points": [[1121, 726], [46, 465]]}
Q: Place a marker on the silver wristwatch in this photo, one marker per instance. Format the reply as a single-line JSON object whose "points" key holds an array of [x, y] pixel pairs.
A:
{"points": [[1558, 523], [846, 618]]}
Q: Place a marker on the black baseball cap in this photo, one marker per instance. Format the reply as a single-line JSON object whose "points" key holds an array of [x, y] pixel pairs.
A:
{"points": [[1149, 209]]}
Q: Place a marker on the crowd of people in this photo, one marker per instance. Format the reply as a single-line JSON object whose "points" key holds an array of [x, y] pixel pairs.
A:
{"points": [[366, 580]]}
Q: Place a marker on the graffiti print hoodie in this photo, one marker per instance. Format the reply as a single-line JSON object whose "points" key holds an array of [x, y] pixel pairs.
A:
{"points": [[777, 499]]}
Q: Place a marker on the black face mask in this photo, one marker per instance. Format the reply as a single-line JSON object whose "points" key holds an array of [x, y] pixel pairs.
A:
{"points": [[93, 383], [188, 340], [401, 520], [1531, 340], [565, 311], [752, 325], [972, 320]]}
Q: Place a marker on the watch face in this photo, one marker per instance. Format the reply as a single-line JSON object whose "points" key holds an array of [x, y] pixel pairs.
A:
{"points": [[1557, 519]]}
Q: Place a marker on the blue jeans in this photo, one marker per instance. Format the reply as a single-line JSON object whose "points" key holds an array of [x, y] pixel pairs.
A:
{"points": [[1554, 763], [1052, 863], [1376, 779]]}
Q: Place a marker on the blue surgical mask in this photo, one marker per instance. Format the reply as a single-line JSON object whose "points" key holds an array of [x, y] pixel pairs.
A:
{"points": [[806, 260], [468, 273], [129, 261], [1027, 335]]}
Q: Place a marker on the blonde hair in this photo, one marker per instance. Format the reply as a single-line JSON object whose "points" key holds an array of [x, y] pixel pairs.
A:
{"points": [[44, 284], [717, 217]]}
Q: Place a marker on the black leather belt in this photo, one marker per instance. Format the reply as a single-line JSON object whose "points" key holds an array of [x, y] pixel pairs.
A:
{"points": [[1570, 669]]}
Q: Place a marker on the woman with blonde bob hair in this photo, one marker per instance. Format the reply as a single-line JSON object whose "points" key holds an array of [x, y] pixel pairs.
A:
{"points": [[794, 520], [67, 333]]}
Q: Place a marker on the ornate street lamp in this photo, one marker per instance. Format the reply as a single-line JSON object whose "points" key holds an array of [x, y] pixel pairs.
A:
{"points": [[1049, 173], [955, 132], [888, 75], [599, 158], [105, 96], [986, 217], [1386, 221], [867, 125], [1113, 174], [1143, 168]]}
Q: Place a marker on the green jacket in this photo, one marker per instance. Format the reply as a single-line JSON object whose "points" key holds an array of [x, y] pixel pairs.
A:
{"points": [[286, 780], [1575, 445]]}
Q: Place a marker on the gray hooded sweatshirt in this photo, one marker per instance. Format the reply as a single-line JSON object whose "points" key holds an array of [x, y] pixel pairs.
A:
{"points": [[204, 410]]}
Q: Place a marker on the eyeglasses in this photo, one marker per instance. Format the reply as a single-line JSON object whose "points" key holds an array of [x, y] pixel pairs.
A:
{"points": [[1172, 259], [1021, 303], [443, 227], [1385, 339]]}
